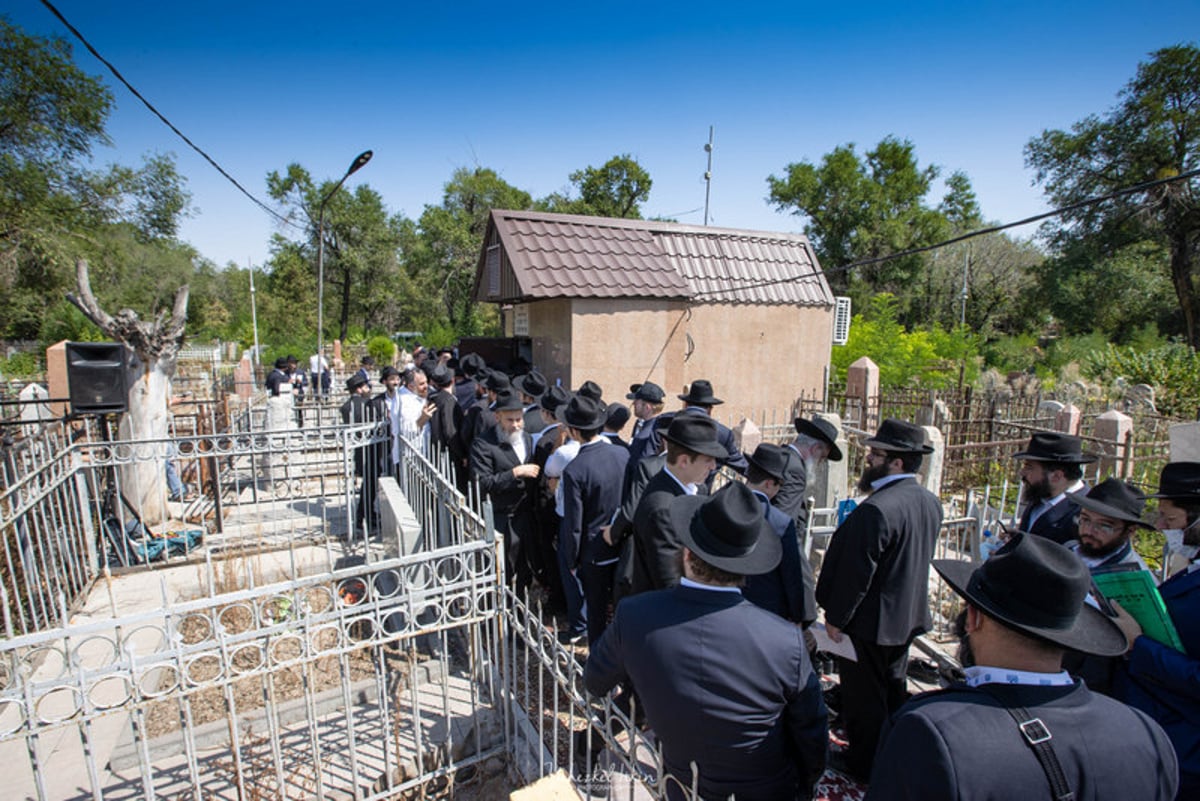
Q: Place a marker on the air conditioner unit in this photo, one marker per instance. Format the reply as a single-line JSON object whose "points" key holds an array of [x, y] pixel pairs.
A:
{"points": [[841, 320]]}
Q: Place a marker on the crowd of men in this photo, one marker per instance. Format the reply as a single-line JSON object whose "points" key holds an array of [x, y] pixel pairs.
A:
{"points": [[701, 604]]}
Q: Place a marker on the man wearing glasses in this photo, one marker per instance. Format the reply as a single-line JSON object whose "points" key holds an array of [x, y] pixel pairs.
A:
{"points": [[1110, 513]]}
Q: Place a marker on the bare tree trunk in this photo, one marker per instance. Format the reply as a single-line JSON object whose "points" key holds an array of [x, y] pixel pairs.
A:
{"points": [[156, 344]]}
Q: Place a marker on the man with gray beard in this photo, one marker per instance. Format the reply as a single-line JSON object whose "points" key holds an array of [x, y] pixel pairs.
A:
{"points": [[816, 440]]}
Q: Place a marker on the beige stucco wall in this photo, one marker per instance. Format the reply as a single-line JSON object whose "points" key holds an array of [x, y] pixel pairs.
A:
{"points": [[758, 357]]}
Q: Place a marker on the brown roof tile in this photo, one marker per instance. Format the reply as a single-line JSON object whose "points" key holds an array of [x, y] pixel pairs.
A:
{"points": [[563, 255]]}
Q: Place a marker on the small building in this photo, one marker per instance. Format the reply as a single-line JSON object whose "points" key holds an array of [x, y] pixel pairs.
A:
{"points": [[625, 301]]}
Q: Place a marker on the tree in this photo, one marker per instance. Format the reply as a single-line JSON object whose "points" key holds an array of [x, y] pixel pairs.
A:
{"points": [[1152, 133], [446, 250], [362, 244], [863, 208], [617, 189]]}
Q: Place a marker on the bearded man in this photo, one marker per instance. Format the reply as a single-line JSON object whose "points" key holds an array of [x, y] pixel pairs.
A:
{"points": [[1051, 469]]}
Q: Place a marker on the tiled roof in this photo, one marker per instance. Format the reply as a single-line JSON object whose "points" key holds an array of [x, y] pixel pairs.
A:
{"points": [[566, 255]]}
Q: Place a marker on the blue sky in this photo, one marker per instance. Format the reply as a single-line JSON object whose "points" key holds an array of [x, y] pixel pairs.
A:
{"points": [[537, 90]]}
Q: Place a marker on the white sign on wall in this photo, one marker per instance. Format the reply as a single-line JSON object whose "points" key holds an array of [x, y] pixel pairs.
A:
{"points": [[521, 321]]}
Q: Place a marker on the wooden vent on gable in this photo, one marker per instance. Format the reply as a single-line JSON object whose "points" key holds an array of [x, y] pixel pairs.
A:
{"points": [[493, 271]]}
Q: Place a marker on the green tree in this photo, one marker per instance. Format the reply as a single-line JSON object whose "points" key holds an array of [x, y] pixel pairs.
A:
{"points": [[1152, 133], [858, 208], [445, 250], [617, 189], [362, 251]]}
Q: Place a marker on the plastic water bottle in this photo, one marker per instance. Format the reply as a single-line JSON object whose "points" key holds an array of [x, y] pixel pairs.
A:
{"points": [[988, 545]]}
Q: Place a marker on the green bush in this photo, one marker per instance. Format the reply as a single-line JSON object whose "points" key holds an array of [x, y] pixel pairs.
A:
{"points": [[27, 364], [1173, 370], [927, 357], [382, 349]]}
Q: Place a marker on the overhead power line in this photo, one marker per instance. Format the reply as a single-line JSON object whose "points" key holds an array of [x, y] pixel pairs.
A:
{"points": [[744, 285], [117, 74]]}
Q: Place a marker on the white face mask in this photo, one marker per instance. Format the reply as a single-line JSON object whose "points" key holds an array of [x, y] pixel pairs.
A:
{"points": [[1175, 543]]}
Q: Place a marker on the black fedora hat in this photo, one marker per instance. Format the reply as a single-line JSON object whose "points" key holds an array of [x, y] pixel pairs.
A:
{"points": [[1114, 498], [1038, 587], [497, 381], [553, 398], [1179, 481], [823, 430], [1052, 446], [471, 364], [727, 530], [440, 376], [591, 389], [507, 401], [696, 433], [388, 372], [584, 413], [281, 363], [355, 381], [900, 437], [700, 392], [771, 459], [618, 416], [532, 384], [649, 392]]}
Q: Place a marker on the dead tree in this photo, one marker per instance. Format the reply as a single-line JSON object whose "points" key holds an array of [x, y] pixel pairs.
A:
{"points": [[157, 345]]}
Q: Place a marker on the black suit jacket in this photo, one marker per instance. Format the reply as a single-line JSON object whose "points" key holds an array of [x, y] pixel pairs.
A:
{"points": [[788, 589], [1057, 523], [790, 498], [492, 463], [874, 581], [591, 494], [445, 425], [359, 409], [961, 743], [656, 546], [758, 731]]}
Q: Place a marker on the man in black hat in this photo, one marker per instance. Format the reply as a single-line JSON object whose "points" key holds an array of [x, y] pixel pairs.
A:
{"points": [[387, 406], [1020, 726], [788, 589], [700, 400], [1051, 470], [502, 463], [277, 382], [755, 732], [1154, 677], [874, 584], [1110, 514], [367, 458], [816, 441], [531, 386], [591, 489], [366, 365], [618, 416], [692, 454], [446, 422], [546, 519], [464, 379], [647, 405]]}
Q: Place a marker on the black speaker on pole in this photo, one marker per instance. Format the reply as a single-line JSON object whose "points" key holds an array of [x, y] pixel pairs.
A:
{"points": [[97, 375]]}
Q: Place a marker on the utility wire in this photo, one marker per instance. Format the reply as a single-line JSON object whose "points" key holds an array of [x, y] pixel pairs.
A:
{"points": [[117, 74], [961, 238]]}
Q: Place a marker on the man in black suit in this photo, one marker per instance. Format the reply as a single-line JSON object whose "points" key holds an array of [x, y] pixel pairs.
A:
{"points": [[367, 458], [464, 379], [692, 454], [531, 386], [446, 423], [546, 520], [788, 589], [591, 486], [1051, 470], [816, 441], [700, 400], [647, 406], [618, 416], [756, 732], [1020, 726], [501, 461], [874, 584]]}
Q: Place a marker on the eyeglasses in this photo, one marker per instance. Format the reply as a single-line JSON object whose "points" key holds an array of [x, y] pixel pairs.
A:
{"points": [[1106, 529]]}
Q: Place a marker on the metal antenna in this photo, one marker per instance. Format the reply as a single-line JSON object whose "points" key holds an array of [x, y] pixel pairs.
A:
{"points": [[708, 148]]}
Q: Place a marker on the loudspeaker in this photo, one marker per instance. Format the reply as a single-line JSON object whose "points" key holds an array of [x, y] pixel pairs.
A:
{"points": [[97, 377]]}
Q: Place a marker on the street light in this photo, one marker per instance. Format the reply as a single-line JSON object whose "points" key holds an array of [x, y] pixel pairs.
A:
{"points": [[358, 163]]}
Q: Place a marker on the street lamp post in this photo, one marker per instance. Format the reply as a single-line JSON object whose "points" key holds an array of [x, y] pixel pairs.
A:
{"points": [[355, 166]]}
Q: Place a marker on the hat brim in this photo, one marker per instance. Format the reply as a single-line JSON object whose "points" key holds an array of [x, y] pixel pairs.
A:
{"points": [[1093, 505], [709, 401], [762, 558], [811, 429], [1092, 632], [713, 449], [892, 447], [1084, 458]]}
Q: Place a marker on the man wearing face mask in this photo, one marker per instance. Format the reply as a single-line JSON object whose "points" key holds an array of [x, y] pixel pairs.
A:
{"points": [[1153, 677]]}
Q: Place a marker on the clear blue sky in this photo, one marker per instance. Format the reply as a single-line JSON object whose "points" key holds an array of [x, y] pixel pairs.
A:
{"points": [[536, 90]]}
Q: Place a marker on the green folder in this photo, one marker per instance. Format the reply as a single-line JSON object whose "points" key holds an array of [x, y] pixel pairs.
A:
{"points": [[1136, 592]]}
